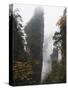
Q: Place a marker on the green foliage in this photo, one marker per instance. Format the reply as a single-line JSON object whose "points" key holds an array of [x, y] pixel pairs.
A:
{"points": [[27, 65], [15, 22], [60, 37], [58, 74]]}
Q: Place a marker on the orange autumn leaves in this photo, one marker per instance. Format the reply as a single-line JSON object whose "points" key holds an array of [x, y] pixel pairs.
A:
{"points": [[22, 70], [62, 21]]}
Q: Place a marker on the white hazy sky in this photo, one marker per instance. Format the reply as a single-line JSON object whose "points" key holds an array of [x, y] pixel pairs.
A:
{"points": [[51, 15]]}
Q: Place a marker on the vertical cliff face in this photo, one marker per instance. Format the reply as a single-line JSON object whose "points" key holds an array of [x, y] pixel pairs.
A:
{"points": [[35, 30]]}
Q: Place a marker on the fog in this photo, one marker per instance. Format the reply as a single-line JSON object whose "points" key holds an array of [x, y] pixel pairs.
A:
{"points": [[51, 15]]}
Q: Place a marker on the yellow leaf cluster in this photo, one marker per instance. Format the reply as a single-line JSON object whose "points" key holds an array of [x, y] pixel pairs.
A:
{"points": [[22, 70]]}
